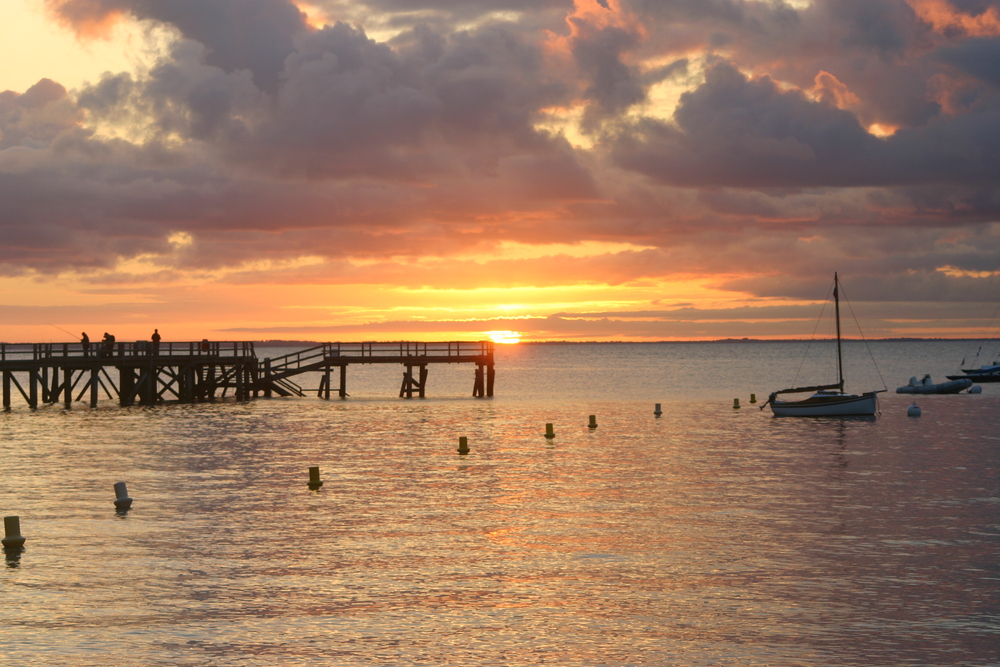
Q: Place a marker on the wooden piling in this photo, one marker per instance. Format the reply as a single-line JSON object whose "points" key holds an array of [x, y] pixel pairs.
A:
{"points": [[33, 389], [95, 382]]}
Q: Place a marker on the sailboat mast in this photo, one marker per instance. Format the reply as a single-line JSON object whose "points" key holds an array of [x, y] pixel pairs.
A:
{"points": [[840, 358]]}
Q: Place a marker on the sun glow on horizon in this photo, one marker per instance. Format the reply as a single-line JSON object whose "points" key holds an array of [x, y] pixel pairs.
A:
{"points": [[505, 337]]}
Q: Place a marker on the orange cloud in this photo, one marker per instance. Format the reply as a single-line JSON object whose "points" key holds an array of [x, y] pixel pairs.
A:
{"points": [[87, 18], [942, 16], [830, 90], [316, 17], [590, 16]]}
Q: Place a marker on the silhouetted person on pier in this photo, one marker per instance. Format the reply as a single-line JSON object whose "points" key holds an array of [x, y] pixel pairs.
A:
{"points": [[109, 345], [85, 342], [156, 341]]}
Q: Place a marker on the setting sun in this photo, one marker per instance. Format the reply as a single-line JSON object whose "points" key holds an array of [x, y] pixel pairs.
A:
{"points": [[505, 337]]}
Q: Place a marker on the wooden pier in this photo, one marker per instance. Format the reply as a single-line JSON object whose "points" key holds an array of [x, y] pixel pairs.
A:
{"points": [[149, 373]]}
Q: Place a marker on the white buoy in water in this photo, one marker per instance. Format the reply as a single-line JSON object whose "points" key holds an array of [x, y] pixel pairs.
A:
{"points": [[913, 411], [975, 389]]}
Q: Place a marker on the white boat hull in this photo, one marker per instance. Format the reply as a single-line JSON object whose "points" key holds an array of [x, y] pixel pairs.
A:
{"points": [[828, 405]]}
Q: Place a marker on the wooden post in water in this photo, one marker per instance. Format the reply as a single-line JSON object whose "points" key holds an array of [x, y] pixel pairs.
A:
{"points": [[149, 389], [343, 380], [6, 391], [479, 388], [126, 386], [190, 377], [33, 390], [240, 383], [95, 381], [406, 389], [423, 379], [210, 383], [490, 376], [68, 387]]}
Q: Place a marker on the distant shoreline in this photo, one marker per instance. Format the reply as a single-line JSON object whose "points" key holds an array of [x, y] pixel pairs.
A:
{"points": [[312, 343], [287, 343]]}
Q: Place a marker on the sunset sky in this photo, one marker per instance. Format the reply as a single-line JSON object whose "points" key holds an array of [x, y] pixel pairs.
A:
{"points": [[440, 169]]}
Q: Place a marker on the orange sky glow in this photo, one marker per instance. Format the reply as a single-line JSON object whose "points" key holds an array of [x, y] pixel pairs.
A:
{"points": [[590, 170]]}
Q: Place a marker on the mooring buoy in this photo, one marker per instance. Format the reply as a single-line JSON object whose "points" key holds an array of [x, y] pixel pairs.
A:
{"points": [[314, 481], [12, 533], [657, 411], [753, 398], [122, 502], [593, 421], [913, 411], [463, 445], [549, 433], [975, 389], [736, 404]]}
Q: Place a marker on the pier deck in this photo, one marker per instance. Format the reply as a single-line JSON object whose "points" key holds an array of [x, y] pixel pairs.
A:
{"points": [[150, 373]]}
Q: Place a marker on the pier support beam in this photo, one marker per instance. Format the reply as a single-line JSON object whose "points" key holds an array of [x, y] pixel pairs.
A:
{"points": [[95, 382], [68, 387], [410, 383], [126, 386], [479, 388]]}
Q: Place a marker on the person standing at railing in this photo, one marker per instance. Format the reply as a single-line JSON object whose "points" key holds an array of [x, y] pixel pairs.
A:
{"points": [[109, 345], [85, 342], [156, 342]]}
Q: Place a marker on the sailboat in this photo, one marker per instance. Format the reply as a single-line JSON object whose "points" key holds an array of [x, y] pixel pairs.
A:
{"points": [[985, 373], [829, 400]]}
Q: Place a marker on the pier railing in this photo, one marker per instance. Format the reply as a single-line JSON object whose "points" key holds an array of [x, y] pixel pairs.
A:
{"points": [[142, 348], [360, 353], [463, 350]]}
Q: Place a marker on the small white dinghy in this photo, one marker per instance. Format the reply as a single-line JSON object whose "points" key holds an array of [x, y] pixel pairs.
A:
{"points": [[927, 386]]}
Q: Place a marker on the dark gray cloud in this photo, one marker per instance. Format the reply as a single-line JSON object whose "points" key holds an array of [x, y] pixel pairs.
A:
{"points": [[977, 57], [750, 133]]}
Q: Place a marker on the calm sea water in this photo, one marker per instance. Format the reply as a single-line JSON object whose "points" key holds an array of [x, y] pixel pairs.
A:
{"points": [[708, 536]]}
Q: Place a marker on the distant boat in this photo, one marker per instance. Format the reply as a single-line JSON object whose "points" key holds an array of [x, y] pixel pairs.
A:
{"points": [[984, 374], [927, 386], [829, 400], [988, 372]]}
